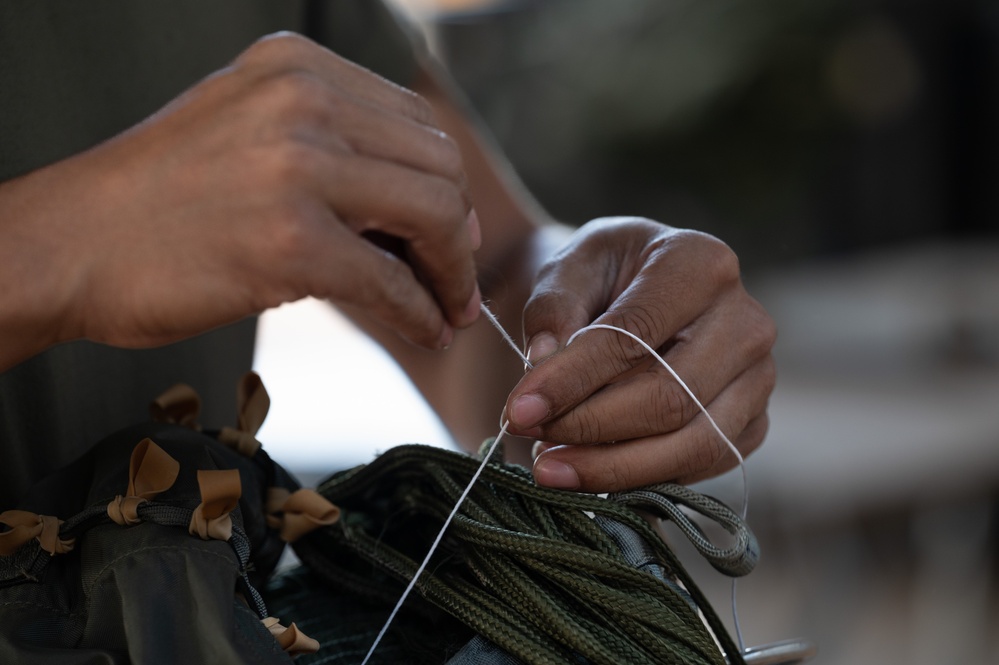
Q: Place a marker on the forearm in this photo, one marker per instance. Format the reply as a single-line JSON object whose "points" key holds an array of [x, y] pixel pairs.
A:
{"points": [[39, 259]]}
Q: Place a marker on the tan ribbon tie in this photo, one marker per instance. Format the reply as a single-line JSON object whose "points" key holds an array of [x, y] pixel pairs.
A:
{"points": [[305, 511], [244, 443], [180, 404], [24, 526], [220, 492], [151, 471], [274, 505], [292, 640], [253, 405]]}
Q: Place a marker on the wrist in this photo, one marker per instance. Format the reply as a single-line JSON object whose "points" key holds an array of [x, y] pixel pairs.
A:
{"points": [[40, 266]]}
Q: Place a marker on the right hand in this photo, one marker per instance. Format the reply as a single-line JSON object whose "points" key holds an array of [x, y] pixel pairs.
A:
{"points": [[252, 189]]}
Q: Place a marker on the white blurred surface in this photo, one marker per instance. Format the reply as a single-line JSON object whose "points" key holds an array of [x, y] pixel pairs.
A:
{"points": [[337, 398], [888, 381]]}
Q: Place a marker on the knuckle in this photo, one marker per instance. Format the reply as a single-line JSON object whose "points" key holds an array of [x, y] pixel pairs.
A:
{"points": [[396, 276], [718, 259], [418, 108], [445, 202], [392, 291], [289, 105], [587, 428], [755, 433], [295, 90], [725, 263], [368, 293], [612, 477], [276, 48], [291, 236], [708, 452], [769, 376], [449, 157], [615, 479], [537, 305], [548, 309], [646, 324], [766, 329], [287, 165], [670, 407]]}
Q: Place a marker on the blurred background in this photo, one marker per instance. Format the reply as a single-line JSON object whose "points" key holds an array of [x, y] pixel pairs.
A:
{"points": [[849, 152]]}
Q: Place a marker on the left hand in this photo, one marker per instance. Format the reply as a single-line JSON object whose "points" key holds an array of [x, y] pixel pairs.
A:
{"points": [[609, 417]]}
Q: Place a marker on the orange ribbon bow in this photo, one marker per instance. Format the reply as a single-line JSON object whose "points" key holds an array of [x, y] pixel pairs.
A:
{"points": [[25, 526], [179, 404], [220, 492], [150, 471], [292, 640], [298, 514], [254, 403]]}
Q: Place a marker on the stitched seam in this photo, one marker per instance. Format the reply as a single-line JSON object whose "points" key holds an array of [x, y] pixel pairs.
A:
{"points": [[51, 610], [151, 548]]}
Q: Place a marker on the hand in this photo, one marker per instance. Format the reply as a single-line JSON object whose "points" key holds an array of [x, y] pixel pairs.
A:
{"points": [[263, 183], [609, 417]]}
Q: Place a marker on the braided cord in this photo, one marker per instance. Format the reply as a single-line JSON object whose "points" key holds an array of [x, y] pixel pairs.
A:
{"points": [[524, 566]]}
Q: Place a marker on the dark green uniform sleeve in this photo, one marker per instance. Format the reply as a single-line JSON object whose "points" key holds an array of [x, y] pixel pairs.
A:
{"points": [[73, 74], [370, 34]]}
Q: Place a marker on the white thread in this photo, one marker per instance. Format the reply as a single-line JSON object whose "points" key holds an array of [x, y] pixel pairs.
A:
{"points": [[506, 336], [433, 547]]}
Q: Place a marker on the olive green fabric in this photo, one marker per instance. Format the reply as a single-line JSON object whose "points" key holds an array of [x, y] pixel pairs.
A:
{"points": [[73, 74]]}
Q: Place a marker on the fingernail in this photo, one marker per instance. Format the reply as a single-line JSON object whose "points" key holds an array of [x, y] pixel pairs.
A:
{"points": [[528, 411], [472, 309], [552, 473], [540, 447], [542, 345], [474, 230], [447, 336]]}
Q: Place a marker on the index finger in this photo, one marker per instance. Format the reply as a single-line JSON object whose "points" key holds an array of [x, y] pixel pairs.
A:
{"points": [[571, 376], [425, 212]]}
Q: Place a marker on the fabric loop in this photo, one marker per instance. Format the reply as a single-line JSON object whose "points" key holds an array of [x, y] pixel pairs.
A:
{"points": [[151, 471], [254, 402], [253, 405], [220, 492], [305, 511], [244, 443], [292, 640], [274, 506], [49, 539], [180, 404], [737, 559], [123, 510], [25, 526]]}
